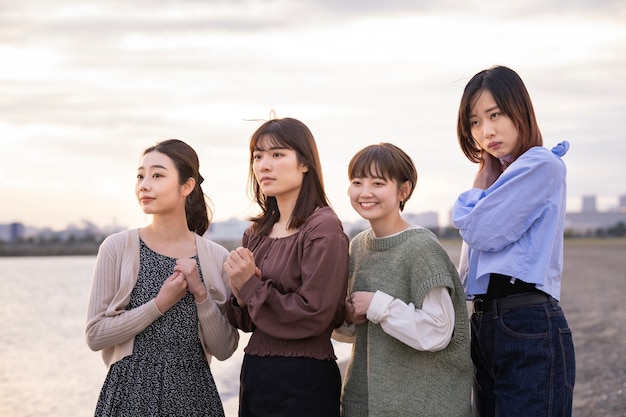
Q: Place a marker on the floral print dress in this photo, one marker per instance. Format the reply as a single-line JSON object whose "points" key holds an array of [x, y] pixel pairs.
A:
{"points": [[167, 374]]}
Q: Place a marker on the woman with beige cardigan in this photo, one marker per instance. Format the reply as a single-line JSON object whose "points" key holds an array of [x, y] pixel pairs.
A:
{"points": [[156, 306]]}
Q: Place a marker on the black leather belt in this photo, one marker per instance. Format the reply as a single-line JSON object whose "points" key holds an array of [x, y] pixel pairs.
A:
{"points": [[524, 299]]}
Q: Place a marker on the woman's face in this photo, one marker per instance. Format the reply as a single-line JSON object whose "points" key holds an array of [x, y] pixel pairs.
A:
{"points": [[376, 199], [277, 170], [157, 188], [492, 130]]}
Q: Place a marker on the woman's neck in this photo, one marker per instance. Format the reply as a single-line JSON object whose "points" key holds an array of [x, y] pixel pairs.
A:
{"points": [[281, 227], [171, 238]]}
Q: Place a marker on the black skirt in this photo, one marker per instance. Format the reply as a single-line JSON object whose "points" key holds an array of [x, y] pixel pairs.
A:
{"points": [[275, 386]]}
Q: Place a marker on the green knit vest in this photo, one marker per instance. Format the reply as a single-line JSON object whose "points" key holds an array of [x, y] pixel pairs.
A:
{"points": [[386, 377]]}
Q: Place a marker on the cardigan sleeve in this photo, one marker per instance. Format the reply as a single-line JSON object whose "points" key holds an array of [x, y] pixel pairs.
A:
{"points": [[219, 338], [108, 323]]}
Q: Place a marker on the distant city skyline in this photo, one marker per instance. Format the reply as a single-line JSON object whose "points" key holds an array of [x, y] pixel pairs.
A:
{"points": [[588, 203]]}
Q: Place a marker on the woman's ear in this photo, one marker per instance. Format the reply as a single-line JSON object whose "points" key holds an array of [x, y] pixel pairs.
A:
{"points": [[405, 188], [188, 186]]}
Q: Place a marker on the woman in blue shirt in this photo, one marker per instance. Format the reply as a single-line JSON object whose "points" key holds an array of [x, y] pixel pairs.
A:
{"points": [[512, 222]]}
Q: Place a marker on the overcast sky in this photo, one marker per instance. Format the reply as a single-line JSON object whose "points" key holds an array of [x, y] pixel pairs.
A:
{"points": [[86, 85]]}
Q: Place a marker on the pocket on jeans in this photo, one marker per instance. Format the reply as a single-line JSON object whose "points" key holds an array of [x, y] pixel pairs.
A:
{"points": [[527, 322]]}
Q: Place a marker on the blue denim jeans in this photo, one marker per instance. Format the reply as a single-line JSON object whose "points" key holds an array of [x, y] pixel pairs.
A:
{"points": [[524, 362]]}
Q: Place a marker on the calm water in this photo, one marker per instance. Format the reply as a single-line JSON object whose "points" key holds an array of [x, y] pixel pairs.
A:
{"points": [[46, 368]]}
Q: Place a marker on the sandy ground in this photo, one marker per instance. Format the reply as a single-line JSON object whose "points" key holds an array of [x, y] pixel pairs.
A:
{"points": [[593, 298], [594, 287]]}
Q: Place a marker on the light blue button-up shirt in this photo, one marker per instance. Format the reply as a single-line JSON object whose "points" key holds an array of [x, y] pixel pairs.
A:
{"points": [[515, 227]]}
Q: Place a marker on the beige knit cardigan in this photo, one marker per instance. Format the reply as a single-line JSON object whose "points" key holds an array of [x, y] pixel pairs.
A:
{"points": [[112, 329]]}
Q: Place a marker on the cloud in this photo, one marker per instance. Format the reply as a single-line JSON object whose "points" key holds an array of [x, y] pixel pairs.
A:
{"points": [[88, 85]]}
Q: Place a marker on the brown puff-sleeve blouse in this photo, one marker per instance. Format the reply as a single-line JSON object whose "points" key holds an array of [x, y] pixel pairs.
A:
{"points": [[299, 299]]}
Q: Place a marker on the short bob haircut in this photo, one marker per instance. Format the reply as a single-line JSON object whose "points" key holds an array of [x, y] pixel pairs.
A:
{"points": [[287, 133], [512, 98], [386, 161]]}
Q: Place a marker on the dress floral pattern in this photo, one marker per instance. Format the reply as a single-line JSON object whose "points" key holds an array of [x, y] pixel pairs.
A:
{"points": [[167, 374]]}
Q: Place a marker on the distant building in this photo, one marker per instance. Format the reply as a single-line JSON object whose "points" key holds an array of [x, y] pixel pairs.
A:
{"points": [[229, 230], [589, 220], [428, 219], [589, 204], [12, 232]]}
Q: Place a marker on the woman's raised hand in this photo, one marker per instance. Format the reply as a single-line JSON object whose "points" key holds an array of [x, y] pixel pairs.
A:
{"points": [[240, 267], [172, 291], [189, 268]]}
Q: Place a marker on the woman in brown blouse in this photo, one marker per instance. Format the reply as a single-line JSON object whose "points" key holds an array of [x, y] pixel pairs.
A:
{"points": [[289, 279]]}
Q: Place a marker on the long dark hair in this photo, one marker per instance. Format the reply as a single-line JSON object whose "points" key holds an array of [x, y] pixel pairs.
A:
{"points": [[185, 158], [292, 134], [512, 98]]}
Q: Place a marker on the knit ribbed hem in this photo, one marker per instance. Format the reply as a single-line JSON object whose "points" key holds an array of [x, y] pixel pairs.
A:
{"points": [[261, 344]]}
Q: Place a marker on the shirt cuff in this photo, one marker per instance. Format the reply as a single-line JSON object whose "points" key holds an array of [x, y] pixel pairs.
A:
{"points": [[378, 307]]}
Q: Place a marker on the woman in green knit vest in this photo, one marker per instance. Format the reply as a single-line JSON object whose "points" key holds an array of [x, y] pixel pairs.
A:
{"points": [[406, 312]]}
